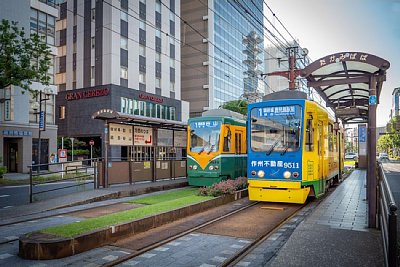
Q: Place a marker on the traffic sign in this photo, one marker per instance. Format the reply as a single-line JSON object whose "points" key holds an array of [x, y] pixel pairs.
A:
{"points": [[372, 99], [91, 142], [62, 153]]}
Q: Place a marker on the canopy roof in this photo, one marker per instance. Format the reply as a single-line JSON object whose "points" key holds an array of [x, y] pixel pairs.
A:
{"points": [[344, 81], [118, 117]]}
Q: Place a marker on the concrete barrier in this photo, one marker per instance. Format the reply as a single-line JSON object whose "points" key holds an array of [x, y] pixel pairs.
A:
{"points": [[41, 246]]}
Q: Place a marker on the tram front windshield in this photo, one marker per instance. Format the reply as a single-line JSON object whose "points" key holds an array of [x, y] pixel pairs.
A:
{"points": [[276, 128], [204, 136]]}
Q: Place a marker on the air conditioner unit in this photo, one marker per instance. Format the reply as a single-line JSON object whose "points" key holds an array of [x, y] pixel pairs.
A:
{"points": [[205, 63], [205, 40], [205, 17], [205, 86]]}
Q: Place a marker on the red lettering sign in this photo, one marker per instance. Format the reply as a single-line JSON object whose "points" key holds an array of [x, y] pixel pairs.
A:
{"points": [[151, 98], [87, 94]]}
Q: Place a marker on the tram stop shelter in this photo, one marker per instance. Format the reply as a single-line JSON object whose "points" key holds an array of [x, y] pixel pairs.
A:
{"points": [[351, 83], [137, 148]]}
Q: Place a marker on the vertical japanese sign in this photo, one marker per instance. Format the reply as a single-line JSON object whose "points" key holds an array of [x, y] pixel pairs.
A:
{"points": [[41, 121], [362, 139]]}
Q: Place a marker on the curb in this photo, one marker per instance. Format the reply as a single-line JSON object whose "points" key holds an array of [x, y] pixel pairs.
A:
{"points": [[114, 195], [40, 246]]}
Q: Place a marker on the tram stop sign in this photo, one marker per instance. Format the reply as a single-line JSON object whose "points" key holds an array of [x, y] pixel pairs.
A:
{"points": [[91, 142]]}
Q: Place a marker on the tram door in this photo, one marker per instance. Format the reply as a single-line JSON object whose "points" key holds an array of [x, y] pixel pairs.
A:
{"points": [[239, 166], [320, 155]]}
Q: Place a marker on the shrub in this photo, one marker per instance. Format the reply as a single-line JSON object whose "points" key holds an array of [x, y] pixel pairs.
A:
{"points": [[224, 187], [3, 170]]}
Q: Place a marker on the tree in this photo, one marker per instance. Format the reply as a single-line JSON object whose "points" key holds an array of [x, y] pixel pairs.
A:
{"points": [[22, 60], [239, 106]]}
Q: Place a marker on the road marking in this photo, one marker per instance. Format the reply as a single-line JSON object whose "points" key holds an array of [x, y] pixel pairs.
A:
{"points": [[5, 256], [12, 237], [4, 196], [6, 207]]}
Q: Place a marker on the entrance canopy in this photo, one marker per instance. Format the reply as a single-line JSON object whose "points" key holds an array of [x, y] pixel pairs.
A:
{"points": [[344, 80]]}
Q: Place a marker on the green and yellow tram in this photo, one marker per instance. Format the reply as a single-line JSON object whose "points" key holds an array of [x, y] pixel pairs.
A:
{"points": [[216, 147]]}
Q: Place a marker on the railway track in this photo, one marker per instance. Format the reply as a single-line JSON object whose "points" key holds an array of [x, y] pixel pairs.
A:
{"points": [[261, 220]]}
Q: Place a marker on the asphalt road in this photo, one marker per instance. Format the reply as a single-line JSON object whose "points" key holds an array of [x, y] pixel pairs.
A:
{"points": [[11, 196]]}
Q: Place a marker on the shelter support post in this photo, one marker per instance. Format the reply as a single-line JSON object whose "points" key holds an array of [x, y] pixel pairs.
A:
{"points": [[371, 171], [105, 154]]}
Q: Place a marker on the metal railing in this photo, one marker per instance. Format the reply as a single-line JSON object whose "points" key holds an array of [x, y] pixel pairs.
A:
{"points": [[387, 216], [62, 175]]}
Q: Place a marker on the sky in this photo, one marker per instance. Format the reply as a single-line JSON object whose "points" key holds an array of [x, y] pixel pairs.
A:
{"points": [[327, 27]]}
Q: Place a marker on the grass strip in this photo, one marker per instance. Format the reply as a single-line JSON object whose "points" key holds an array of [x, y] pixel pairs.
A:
{"points": [[158, 198], [77, 228]]}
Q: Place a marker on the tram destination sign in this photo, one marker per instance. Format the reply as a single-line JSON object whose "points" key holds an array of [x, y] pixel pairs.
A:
{"points": [[276, 111]]}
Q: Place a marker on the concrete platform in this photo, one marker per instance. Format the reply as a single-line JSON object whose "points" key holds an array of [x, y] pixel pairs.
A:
{"points": [[336, 233]]}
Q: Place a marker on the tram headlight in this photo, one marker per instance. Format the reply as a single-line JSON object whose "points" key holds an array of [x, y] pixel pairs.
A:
{"points": [[194, 167], [287, 174], [190, 167], [211, 168], [261, 173], [253, 173], [216, 167]]}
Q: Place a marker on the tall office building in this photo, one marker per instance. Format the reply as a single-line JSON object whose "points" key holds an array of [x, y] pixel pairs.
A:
{"points": [[120, 55], [222, 44], [395, 111], [19, 110]]}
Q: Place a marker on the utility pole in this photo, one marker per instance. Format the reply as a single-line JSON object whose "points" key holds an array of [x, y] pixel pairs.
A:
{"points": [[292, 72]]}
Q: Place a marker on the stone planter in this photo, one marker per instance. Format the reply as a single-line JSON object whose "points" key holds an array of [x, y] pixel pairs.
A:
{"points": [[41, 246]]}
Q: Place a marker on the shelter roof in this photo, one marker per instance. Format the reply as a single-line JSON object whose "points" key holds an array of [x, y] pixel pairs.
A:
{"points": [[344, 81], [118, 117]]}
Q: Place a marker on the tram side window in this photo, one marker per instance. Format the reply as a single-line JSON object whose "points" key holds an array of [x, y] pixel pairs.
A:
{"points": [[330, 137], [227, 140], [309, 136]]}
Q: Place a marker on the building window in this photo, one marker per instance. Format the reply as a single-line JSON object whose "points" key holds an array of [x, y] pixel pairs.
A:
{"points": [[73, 47], [93, 42], [142, 1], [93, 14], [172, 86], [142, 77], [92, 70], [74, 76], [142, 50], [75, 20], [124, 16], [172, 16], [158, 83], [124, 43], [172, 63], [61, 112], [124, 72]]}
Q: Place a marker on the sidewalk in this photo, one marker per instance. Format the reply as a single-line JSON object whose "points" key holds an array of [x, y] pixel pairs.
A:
{"points": [[59, 205], [336, 233]]}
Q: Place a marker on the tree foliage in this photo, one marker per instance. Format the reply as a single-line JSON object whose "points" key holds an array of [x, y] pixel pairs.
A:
{"points": [[239, 106], [389, 142], [22, 60]]}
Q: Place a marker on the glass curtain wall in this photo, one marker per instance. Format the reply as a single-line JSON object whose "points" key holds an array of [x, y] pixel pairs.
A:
{"points": [[231, 25]]}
